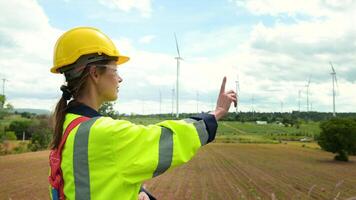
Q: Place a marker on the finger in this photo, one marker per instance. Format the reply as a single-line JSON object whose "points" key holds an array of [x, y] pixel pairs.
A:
{"points": [[232, 95], [232, 98], [222, 89], [230, 91]]}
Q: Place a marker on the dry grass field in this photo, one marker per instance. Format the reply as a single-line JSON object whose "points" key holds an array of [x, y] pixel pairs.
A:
{"points": [[219, 171]]}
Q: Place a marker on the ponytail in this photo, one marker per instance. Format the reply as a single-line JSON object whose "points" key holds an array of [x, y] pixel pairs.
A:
{"points": [[73, 89], [58, 120]]}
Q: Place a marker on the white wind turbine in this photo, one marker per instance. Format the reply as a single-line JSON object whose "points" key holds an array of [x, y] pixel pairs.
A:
{"points": [[237, 93], [178, 58], [333, 75], [307, 86]]}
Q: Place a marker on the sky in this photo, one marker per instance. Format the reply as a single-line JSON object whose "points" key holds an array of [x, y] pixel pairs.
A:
{"points": [[271, 47]]}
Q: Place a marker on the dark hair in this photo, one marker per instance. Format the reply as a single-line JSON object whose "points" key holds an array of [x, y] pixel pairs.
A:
{"points": [[76, 87]]}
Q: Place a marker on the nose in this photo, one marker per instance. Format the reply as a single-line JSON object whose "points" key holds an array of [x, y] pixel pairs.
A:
{"points": [[119, 79]]}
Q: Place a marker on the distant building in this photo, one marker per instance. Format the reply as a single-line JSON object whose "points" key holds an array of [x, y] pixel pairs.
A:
{"points": [[279, 123], [306, 139], [261, 122]]}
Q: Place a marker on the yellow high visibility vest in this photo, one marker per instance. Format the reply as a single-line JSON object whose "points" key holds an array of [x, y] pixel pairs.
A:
{"points": [[109, 159]]}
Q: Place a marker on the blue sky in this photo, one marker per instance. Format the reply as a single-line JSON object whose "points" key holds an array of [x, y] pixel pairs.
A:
{"points": [[166, 18], [271, 47]]}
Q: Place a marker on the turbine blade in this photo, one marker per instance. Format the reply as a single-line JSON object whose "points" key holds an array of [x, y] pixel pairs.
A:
{"points": [[332, 68], [175, 37]]}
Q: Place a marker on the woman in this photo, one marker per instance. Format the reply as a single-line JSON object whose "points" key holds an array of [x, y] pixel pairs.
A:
{"points": [[103, 158]]}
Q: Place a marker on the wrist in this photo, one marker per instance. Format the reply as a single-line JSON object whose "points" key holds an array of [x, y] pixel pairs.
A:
{"points": [[217, 114]]}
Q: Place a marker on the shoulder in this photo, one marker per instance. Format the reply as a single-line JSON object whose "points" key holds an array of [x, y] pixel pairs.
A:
{"points": [[108, 124]]}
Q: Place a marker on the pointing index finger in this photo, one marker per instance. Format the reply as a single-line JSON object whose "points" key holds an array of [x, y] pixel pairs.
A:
{"points": [[222, 89]]}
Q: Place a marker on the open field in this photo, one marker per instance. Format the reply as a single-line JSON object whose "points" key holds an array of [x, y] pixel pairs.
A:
{"points": [[250, 132], [219, 171], [233, 127]]}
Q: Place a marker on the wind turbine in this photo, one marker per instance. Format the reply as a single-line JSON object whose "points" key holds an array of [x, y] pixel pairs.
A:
{"points": [[237, 93], [307, 86], [178, 58], [333, 75], [3, 85], [172, 101], [252, 102], [281, 106]]}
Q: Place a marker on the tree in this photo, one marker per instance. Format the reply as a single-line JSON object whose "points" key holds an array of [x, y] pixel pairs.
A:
{"points": [[107, 109], [8, 135], [41, 134], [19, 127], [338, 135], [2, 101], [9, 107]]}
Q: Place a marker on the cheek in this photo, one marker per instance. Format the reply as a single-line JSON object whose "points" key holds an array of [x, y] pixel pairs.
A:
{"points": [[107, 87]]}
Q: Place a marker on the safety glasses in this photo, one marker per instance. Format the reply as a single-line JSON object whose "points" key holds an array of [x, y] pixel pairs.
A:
{"points": [[112, 67]]}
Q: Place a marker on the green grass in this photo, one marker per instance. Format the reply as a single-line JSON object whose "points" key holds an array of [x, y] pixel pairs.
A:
{"points": [[244, 139], [235, 128], [230, 132], [270, 133], [7, 120]]}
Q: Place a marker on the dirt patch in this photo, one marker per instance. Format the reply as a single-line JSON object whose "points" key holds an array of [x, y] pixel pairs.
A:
{"points": [[219, 171]]}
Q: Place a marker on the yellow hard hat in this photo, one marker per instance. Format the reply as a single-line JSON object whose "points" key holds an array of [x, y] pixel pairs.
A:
{"points": [[82, 41]]}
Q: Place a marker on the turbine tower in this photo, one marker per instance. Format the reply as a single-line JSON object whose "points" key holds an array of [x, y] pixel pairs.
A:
{"points": [[237, 93], [3, 85], [307, 86], [281, 106], [178, 58], [333, 75], [172, 102]]}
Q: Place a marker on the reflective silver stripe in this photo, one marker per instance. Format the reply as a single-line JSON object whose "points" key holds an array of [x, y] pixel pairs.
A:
{"points": [[165, 151], [80, 160], [201, 129]]}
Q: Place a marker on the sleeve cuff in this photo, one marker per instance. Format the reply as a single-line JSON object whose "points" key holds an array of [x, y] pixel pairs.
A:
{"points": [[148, 194], [210, 123]]}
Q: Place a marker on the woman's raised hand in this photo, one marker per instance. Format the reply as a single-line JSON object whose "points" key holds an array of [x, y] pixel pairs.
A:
{"points": [[224, 101]]}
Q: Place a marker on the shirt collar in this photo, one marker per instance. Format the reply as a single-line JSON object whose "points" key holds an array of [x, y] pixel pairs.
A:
{"points": [[84, 110]]}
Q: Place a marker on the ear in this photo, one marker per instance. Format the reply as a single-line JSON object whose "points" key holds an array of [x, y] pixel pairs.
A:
{"points": [[94, 75]]}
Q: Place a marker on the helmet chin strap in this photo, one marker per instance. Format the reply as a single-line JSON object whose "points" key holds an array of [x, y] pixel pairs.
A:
{"points": [[76, 69]]}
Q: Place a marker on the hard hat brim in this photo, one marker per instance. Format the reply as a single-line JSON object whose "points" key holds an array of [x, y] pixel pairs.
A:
{"points": [[121, 60]]}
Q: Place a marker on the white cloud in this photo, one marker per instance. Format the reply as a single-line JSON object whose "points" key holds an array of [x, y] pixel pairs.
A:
{"points": [[142, 106], [146, 39], [286, 54], [273, 62], [315, 8], [143, 6], [26, 57]]}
